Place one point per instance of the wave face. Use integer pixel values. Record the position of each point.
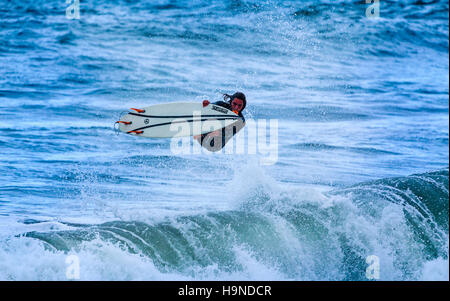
(273, 233)
(361, 103)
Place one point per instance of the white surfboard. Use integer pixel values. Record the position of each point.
(176, 120)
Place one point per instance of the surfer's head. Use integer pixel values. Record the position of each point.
(237, 101)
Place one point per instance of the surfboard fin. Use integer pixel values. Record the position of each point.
(138, 110)
(135, 132)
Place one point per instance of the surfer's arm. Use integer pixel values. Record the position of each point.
(200, 138)
(215, 141)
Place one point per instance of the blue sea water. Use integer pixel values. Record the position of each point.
(363, 133)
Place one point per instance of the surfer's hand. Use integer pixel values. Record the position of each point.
(205, 103)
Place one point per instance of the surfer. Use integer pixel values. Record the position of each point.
(215, 141)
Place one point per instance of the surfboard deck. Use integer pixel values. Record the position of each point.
(178, 119)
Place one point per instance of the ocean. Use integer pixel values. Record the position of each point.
(359, 185)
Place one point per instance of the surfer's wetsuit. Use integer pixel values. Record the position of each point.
(228, 106)
(224, 141)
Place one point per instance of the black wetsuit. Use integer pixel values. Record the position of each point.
(227, 106)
